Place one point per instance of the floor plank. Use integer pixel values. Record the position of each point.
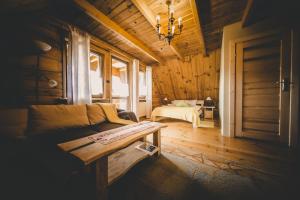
(265, 157)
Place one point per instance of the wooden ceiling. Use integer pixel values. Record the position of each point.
(127, 15)
(133, 20)
(22, 6)
(272, 10)
(137, 18)
(114, 32)
(215, 14)
(190, 41)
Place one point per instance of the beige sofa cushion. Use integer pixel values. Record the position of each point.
(95, 114)
(45, 118)
(13, 122)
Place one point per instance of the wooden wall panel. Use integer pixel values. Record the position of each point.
(197, 78)
(25, 71)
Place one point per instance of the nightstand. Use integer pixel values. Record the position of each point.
(209, 112)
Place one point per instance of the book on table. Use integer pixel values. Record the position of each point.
(148, 148)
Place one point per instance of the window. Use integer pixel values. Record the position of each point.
(142, 85)
(120, 87)
(96, 74)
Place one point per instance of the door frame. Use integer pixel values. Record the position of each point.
(292, 136)
(294, 94)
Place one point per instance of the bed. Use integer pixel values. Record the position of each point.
(187, 110)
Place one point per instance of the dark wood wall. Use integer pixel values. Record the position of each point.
(197, 77)
(25, 70)
(215, 14)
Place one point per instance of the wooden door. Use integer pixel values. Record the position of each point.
(262, 93)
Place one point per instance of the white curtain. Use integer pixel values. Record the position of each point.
(149, 91)
(135, 86)
(81, 90)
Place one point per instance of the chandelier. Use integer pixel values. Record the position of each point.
(171, 25)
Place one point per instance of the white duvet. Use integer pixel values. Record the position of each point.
(190, 114)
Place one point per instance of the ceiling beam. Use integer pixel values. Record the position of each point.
(100, 17)
(247, 13)
(149, 15)
(198, 24)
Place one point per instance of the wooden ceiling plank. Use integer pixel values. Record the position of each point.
(147, 13)
(247, 13)
(97, 15)
(197, 20)
(110, 5)
(122, 7)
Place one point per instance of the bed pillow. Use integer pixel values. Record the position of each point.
(175, 102)
(182, 104)
(200, 102)
(185, 103)
(192, 103)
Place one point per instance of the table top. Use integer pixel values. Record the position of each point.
(88, 151)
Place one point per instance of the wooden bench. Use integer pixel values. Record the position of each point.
(110, 161)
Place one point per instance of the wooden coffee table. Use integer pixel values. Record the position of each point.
(110, 161)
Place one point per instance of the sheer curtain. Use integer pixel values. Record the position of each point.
(81, 90)
(149, 91)
(135, 86)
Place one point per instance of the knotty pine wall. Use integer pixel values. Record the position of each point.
(24, 70)
(196, 78)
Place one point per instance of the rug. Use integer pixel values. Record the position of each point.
(185, 175)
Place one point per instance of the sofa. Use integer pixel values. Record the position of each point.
(32, 134)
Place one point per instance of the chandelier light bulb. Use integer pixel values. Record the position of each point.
(157, 19)
(179, 21)
(173, 29)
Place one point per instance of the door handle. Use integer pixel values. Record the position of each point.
(284, 84)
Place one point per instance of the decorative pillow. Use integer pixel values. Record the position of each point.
(95, 114)
(182, 104)
(13, 122)
(46, 118)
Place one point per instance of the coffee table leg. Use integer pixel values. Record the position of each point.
(157, 141)
(143, 139)
(101, 178)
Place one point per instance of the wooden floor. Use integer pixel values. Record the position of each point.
(198, 163)
(273, 159)
(195, 162)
